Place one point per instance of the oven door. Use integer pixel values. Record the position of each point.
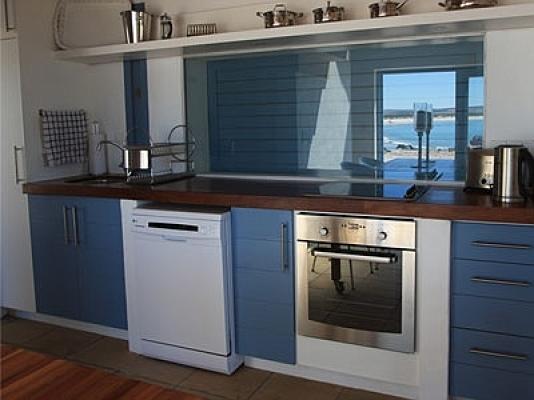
(356, 294)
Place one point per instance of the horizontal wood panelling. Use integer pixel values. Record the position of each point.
(272, 113)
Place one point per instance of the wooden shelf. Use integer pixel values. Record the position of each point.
(453, 23)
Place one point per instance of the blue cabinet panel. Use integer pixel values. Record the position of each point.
(494, 242)
(489, 279)
(274, 318)
(493, 315)
(263, 286)
(251, 223)
(261, 254)
(55, 271)
(266, 344)
(468, 381)
(264, 290)
(77, 258)
(511, 353)
(102, 291)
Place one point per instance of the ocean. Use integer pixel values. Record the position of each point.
(441, 137)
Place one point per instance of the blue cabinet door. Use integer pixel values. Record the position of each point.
(54, 257)
(78, 259)
(264, 282)
(102, 295)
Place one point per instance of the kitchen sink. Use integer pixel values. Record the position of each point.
(98, 180)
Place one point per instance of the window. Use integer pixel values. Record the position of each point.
(339, 113)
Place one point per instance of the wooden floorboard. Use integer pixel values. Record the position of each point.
(27, 375)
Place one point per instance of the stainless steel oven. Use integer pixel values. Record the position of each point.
(356, 280)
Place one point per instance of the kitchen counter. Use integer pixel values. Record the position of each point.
(437, 203)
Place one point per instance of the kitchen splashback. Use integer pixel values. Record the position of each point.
(339, 112)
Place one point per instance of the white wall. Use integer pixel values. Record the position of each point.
(234, 15)
(509, 87)
(51, 84)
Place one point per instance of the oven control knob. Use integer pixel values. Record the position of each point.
(382, 236)
(323, 231)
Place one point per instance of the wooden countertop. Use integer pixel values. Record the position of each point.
(437, 203)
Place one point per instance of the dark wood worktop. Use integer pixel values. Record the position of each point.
(437, 203)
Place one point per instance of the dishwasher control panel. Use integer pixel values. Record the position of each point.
(177, 224)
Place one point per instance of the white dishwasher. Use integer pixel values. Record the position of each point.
(179, 286)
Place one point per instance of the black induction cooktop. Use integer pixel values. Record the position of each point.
(367, 190)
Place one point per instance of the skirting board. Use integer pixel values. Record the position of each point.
(335, 378)
(68, 323)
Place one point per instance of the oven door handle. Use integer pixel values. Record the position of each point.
(368, 257)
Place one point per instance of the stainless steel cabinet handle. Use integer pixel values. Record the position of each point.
(9, 27)
(489, 353)
(16, 150)
(283, 247)
(479, 243)
(76, 239)
(65, 225)
(504, 282)
(355, 257)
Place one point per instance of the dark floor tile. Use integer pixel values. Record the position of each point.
(239, 386)
(282, 387)
(22, 331)
(62, 342)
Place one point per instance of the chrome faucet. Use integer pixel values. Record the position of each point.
(103, 142)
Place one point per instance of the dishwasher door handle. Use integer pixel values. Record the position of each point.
(367, 257)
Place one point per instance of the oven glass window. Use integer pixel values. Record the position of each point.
(355, 294)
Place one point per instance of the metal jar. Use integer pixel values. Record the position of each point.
(137, 26)
(279, 16)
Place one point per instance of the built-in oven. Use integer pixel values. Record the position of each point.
(356, 280)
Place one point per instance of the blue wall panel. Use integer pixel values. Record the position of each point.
(136, 101)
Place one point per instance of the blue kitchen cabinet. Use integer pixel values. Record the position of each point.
(264, 282)
(492, 336)
(77, 257)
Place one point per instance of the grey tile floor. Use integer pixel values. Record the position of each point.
(112, 355)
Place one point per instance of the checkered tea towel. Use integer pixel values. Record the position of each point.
(64, 137)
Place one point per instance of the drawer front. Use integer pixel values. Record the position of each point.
(498, 280)
(472, 382)
(493, 315)
(278, 319)
(493, 242)
(252, 223)
(509, 353)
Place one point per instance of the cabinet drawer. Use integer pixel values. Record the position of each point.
(251, 223)
(472, 382)
(498, 280)
(493, 242)
(510, 353)
(493, 315)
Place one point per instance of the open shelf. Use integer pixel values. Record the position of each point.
(452, 23)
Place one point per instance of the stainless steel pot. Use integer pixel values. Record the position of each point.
(279, 16)
(451, 5)
(386, 8)
(329, 14)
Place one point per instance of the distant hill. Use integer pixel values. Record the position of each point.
(438, 112)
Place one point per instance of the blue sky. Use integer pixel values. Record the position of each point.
(401, 91)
